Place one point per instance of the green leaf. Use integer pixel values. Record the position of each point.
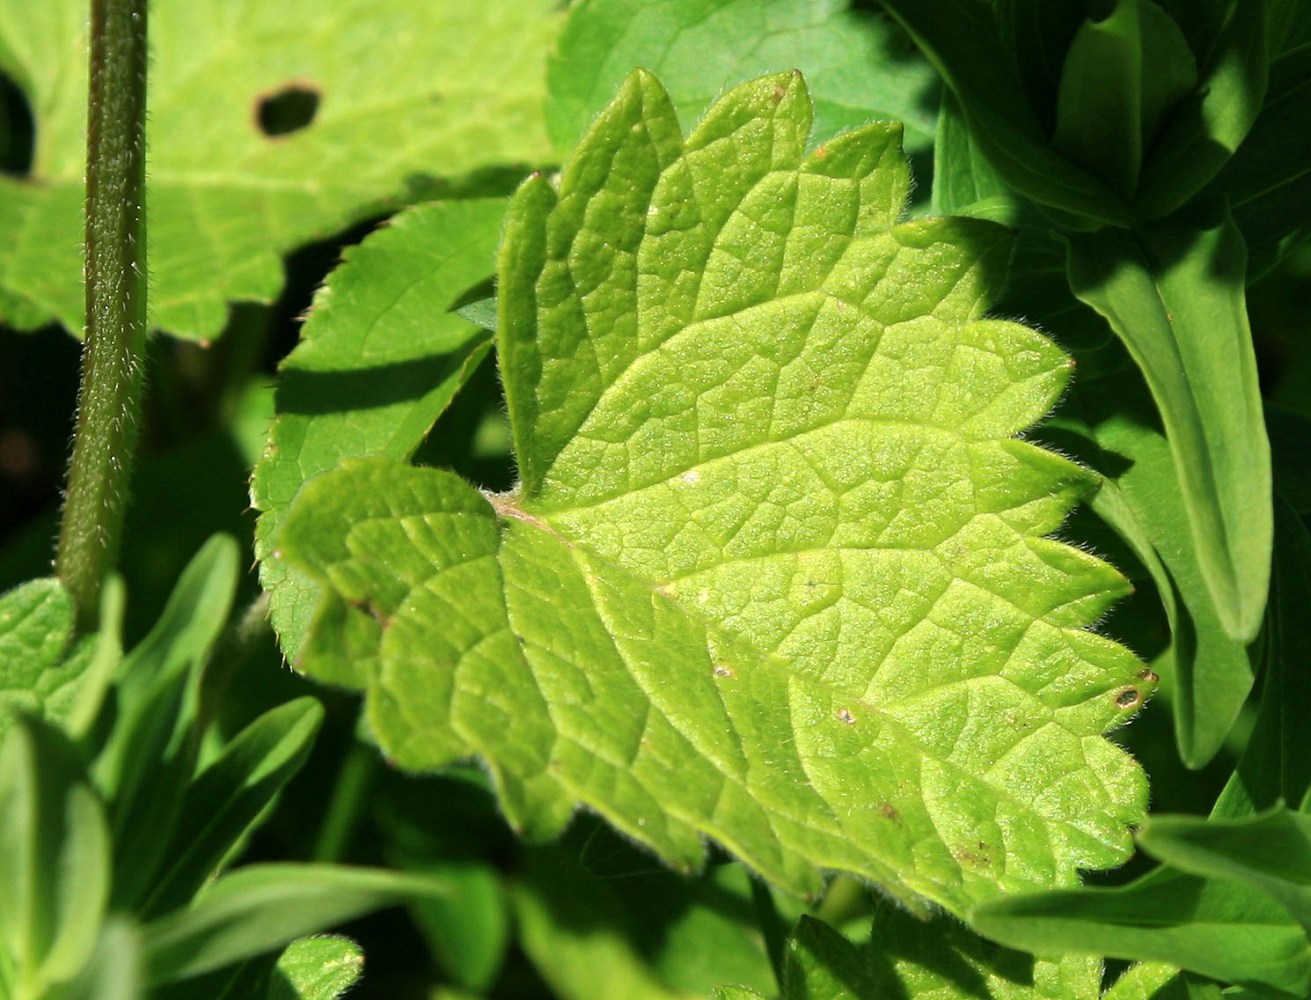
(909, 958)
(962, 40)
(1205, 130)
(1120, 78)
(1268, 182)
(961, 173)
(317, 968)
(54, 859)
(401, 100)
(261, 908)
(857, 65)
(224, 801)
(1271, 851)
(150, 754)
(1276, 761)
(36, 629)
(775, 541)
(1221, 928)
(1210, 671)
(1174, 294)
(380, 358)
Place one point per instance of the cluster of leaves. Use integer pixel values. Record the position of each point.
(124, 806)
(777, 582)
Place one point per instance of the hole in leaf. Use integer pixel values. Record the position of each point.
(1128, 697)
(289, 110)
(17, 130)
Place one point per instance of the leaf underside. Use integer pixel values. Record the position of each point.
(777, 572)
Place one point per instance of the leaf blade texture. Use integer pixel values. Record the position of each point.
(776, 572)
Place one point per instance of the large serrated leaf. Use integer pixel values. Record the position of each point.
(399, 96)
(777, 571)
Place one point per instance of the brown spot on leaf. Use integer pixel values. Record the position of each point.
(1128, 697)
(1149, 675)
(888, 811)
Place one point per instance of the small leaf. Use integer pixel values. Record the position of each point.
(317, 968)
(37, 674)
(379, 359)
(776, 573)
(397, 98)
(262, 908)
(1175, 296)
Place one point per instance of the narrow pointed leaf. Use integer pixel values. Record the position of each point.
(262, 908)
(777, 573)
(1175, 297)
(1271, 851)
(1276, 762)
(224, 800)
(1225, 929)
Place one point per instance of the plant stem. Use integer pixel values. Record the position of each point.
(109, 402)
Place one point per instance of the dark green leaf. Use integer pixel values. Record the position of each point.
(962, 39)
(1120, 77)
(1270, 851)
(262, 908)
(1268, 180)
(1175, 296)
(1276, 762)
(225, 799)
(962, 175)
(1205, 130)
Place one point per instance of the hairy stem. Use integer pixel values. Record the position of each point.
(109, 402)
